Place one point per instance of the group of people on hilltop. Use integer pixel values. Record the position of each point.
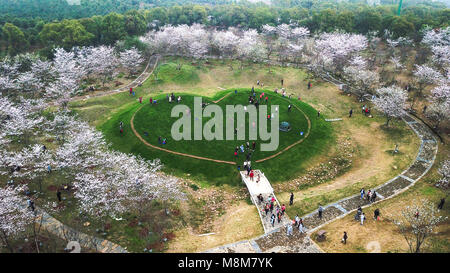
(172, 97)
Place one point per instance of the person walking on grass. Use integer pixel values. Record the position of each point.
(320, 211)
(350, 113)
(376, 214)
(291, 199)
(344, 238)
(363, 217)
(318, 114)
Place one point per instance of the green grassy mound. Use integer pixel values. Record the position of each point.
(156, 121)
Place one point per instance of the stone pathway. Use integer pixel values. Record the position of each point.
(67, 233)
(264, 188)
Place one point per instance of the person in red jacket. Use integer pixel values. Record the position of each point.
(251, 175)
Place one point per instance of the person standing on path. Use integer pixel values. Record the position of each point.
(289, 229)
(362, 193)
(272, 220)
(320, 211)
(309, 85)
(301, 227)
(291, 199)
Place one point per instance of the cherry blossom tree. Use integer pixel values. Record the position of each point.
(122, 184)
(7, 85)
(398, 66)
(250, 47)
(339, 47)
(69, 74)
(444, 171)
(424, 75)
(391, 101)
(105, 62)
(417, 222)
(28, 82)
(439, 42)
(363, 80)
(226, 43)
(440, 103)
(131, 60)
(29, 163)
(20, 120)
(14, 217)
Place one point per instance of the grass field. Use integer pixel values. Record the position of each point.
(156, 121)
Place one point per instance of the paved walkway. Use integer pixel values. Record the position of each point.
(264, 188)
(67, 233)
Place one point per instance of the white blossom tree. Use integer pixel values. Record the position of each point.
(131, 59)
(339, 47)
(225, 42)
(391, 101)
(363, 80)
(20, 120)
(440, 103)
(417, 222)
(444, 171)
(424, 75)
(14, 217)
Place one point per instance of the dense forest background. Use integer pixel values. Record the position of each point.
(41, 25)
